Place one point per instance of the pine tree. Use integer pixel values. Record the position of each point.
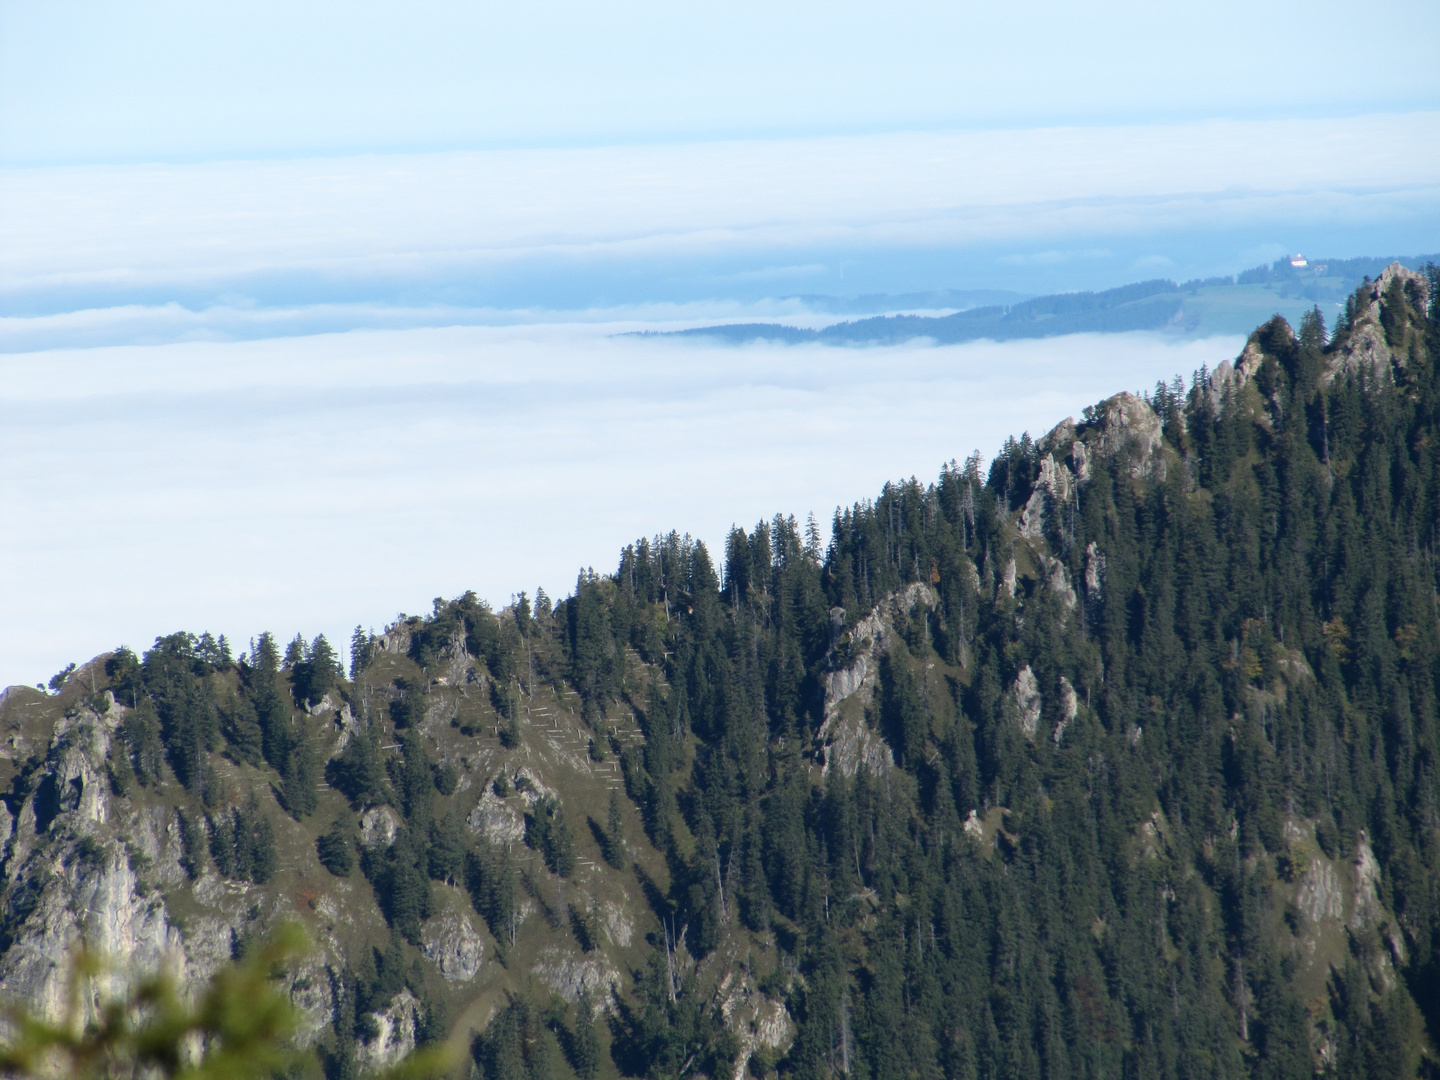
(317, 673)
(445, 856)
(358, 772)
(222, 843)
(272, 710)
(256, 834)
(192, 845)
(1312, 329)
(300, 779)
(295, 652)
(362, 647)
(334, 852)
(584, 1043)
(614, 833)
(490, 879)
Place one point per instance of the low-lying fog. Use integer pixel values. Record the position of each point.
(312, 483)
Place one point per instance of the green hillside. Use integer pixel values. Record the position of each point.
(1119, 757)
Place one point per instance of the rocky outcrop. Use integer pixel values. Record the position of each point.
(84, 864)
(848, 740)
(1128, 426)
(975, 827)
(1025, 696)
(95, 901)
(1054, 489)
(452, 942)
(74, 880)
(618, 925)
(1057, 580)
(1121, 426)
(395, 639)
(1069, 708)
(1366, 911)
(378, 827)
(1319, 896)
(496, 820)
(1009, 581)
(758, 1022)
(1094, 573)
(1229, 378)
(570, 976)
(1365, 347)
(531, 788)
(394, 1033)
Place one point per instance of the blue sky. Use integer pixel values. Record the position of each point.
(306, 309)
(175, 80)
(568, 156)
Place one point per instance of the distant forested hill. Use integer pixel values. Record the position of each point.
(1117, 758)
(1210, 306)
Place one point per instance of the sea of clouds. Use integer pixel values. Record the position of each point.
(308, 484)
(125, 253)
(300, 395)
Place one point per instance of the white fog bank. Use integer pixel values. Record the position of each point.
(309, 484)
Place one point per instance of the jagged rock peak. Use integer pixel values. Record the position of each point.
(1369, 343)
(1122, 424)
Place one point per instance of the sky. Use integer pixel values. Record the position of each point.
(173, 79)
(307, 311)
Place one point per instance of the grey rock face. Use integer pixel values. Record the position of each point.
(395, 639)
(1367, 910)
(379, 827)
(396, 1025)
(1366, 347)
(1057, 580)
(76, 881)
(1054, 489)
(496, 820)
(849, 742)
(1129, 425)
(1069, 708)
(757, 1021)
(1319, 896)
(1026, 697)
(570, 976)
(618, 926)
(451, 941)
(1008, 580)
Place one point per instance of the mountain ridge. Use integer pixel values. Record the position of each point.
(1124, 756)
(1197, 307)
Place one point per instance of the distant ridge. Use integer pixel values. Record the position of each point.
(891, 303)
(1203, 306)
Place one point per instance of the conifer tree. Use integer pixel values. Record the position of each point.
(615, 833)
(584, 1043)
(362, 648)
(334, 852)
(300, 779)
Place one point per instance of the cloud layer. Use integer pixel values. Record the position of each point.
(574, 228)
(313, 483)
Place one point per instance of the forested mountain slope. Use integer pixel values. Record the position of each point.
(1118, 758)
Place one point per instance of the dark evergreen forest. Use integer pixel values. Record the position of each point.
(1156, 678)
